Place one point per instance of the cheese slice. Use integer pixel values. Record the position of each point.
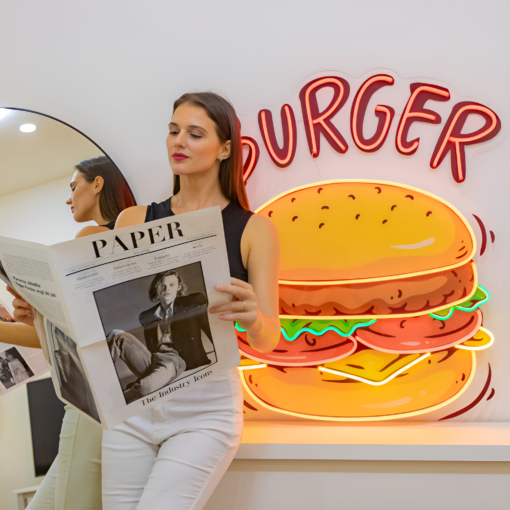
(373, 367)
(482, 340)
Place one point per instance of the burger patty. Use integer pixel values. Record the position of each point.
(404, 296)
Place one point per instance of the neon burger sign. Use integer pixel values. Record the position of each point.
(380, 308)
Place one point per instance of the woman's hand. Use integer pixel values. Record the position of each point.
(243, 308)
(22, 310)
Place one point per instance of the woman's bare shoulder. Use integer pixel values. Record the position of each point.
(131, 216)
(90, 230)
(260, 226)
(260, 237)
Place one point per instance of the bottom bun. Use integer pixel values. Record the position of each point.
(309, 393)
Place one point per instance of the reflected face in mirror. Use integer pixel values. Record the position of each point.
(36, 168)
(192, 143)
(84, 198)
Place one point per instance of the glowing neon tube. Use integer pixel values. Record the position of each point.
(481, 348)
(318, 333)
(251, 367)
(478, 304)
(374, 383)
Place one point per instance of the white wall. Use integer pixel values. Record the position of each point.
(113, 69)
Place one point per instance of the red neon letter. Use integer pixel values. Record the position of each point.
(453, 140)
(253, 156)
(414, 112)
(281, 157)
(383, 113)
(320, 122)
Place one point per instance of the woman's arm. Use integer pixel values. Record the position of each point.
(259, 312)
(16, 333)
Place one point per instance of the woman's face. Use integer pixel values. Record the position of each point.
(192, 143)
(83, 197)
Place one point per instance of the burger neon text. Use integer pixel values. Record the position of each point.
(319, 124)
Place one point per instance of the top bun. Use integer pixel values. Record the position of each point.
(349, 230)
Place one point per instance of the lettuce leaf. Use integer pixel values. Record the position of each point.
(480, 297)
(293, 328)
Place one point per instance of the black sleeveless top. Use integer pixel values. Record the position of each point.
(234, 218)
(110, 225)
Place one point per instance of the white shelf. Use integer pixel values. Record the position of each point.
(471, 442)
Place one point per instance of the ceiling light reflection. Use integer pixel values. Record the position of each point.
(27, 128)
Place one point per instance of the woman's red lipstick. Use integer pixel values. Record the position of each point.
(179, 156)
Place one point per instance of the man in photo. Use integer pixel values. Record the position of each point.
(173, 335)
(74, 386)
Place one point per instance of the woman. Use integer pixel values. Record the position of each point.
(99, 193)
(174, 455)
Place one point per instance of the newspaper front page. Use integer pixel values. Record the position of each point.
(124, 313)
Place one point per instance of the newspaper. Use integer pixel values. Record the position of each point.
(18, 365)
(124, 314)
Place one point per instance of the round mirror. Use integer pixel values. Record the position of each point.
(37, 158)
(38, 155)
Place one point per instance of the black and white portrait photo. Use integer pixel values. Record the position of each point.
(13, 368)
(73, 383)
(157, 329)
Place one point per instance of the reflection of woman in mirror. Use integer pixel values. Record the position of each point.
(174, 455)
(99, 193)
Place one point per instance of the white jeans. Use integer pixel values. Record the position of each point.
(74, 479)
(173, 456)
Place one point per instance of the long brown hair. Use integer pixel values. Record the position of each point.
(222, 113)
(116, 194)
